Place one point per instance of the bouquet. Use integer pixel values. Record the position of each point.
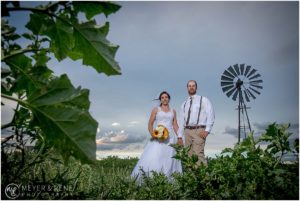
(160, 133)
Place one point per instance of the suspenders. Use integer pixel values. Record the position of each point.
(198, 112)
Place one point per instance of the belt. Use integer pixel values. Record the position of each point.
(194, 127)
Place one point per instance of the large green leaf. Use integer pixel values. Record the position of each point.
(93, 8)
(39, 23)
(60, 32)
(20, 65)
(86, 41)
(28, 77)
(92, 46)
(62, 113)
(62, 40)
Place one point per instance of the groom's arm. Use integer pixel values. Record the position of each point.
(210, 116)
(181, 124)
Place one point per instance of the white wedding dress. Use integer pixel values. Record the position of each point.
(157, 156)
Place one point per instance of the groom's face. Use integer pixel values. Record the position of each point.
(192, 88)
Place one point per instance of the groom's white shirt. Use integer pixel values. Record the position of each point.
(207, 114)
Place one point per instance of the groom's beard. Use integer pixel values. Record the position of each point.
(192, 92)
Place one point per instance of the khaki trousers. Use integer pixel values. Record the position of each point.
(197, 143)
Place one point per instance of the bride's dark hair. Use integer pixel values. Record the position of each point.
(162, 93)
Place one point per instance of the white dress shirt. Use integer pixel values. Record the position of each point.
(206, 118)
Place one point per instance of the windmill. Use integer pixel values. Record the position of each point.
(241, 82)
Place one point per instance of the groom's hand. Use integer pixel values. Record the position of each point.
(203, 134)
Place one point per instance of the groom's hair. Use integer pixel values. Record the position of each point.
(192, 81)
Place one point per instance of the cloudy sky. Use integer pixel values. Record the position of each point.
(165, 44)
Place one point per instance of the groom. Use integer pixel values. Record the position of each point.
(195, 122)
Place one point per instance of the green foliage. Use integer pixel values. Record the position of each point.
(58, 23)
(278, 139)
(51, 114)
(245, 172)
(93, 8)
(55, 110)
(87, 40)
(64, 109)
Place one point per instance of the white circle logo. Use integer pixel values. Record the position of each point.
(12, 191)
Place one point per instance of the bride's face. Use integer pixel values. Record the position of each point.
(164, 99)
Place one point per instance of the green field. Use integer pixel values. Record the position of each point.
(244, 172)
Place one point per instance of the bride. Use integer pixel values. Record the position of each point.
(157, 155)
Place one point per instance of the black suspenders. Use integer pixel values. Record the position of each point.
(198, 112)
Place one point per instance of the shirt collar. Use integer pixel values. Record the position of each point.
(193, 96)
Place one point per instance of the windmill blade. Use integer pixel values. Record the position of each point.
(251, 94)
(254, 90)
(235, 95)
(242, 67)
(227, 88)
(247, 70)
(230, 92)
(228, 74)
(257, 86)
(241, 82)
(246, 96)
(223, 83)
(232, 71)
(255, 76)
(224, 78)
(247, 93)
(252, 72)
(237, 70)
(255, 81)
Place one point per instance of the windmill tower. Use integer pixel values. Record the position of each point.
(241, 82)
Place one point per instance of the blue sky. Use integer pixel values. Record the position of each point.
(165, 44)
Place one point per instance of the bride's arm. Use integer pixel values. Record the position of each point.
(175, 125)
(151, 120)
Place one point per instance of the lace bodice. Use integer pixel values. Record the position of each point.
(165, 118)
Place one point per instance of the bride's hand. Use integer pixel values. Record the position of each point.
(152, 134)
(180, 142)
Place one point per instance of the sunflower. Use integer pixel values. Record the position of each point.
(165, 134)
(161, 133)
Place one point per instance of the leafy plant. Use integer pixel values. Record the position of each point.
(49, 111)
(54, 108)
(246, 171)
(277, 137)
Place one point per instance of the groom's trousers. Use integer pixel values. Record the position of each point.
(197, 143)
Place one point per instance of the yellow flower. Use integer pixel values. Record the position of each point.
(161, 133)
